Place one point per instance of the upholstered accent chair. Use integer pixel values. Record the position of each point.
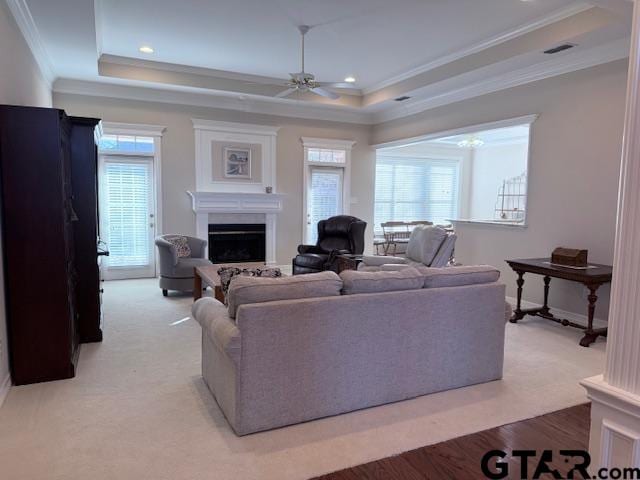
(429, 246)
(342, 234)
(176, 272)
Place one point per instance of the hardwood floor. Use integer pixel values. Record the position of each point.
(460, 458)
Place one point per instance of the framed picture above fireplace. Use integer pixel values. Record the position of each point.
(237, 162)
(251, 170)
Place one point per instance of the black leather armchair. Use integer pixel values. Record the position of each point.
(336, 235)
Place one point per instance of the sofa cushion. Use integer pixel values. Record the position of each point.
(458, 276)
(356, 281)
(246, 290)
(432, 238)
(379, 260)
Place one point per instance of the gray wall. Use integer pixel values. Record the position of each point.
(178, 158)
(573, 172)
(20, 84)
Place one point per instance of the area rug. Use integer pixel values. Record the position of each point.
(138, 408)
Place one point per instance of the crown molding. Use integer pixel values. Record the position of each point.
(213, 99)
(143, 130)
(491, 42)
(234, 127)
(22, 15)
(610, 52)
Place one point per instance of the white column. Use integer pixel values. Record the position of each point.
(615, 416)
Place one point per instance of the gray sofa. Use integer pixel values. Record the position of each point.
(289, 356)
(176, 273)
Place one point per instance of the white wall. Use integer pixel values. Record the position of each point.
(573, 171)
(21, 83)
(178, 159)
(491, 164)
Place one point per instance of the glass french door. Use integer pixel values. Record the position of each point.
(324, 198)
(127, 216)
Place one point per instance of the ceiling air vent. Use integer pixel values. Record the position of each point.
(559, 48)
(402, 99)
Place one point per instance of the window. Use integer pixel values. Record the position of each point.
(127, 195)
(324, 198)
(411, 189)
(126, 144)
(472, 174)
(325, 155)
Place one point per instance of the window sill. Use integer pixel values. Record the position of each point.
(493, 223)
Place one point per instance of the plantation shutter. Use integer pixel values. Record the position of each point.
(409, 189)
(325, 198)
(127, 189)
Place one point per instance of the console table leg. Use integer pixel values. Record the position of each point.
(518, 314)
(545, 306)
(590, 334)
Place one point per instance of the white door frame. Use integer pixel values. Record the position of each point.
(331, 144)
(144, 130)
(150, 271)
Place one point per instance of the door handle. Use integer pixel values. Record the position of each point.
(151, 225)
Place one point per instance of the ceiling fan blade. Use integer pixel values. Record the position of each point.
(325, 93)
(286, 93)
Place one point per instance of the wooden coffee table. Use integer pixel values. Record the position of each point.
(207, 275)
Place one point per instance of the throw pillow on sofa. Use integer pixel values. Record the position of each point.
(355, 281)
(181, 245)
(246, 290)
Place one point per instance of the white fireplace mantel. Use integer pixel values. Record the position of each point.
(242, 208)
(218, 202)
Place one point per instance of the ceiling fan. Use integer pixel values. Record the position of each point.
(306, 82)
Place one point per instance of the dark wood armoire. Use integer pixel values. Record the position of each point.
(48, 185)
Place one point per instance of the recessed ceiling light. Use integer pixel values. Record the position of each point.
(146, 49)
(350, 79)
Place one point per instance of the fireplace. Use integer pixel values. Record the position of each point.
(233, 243)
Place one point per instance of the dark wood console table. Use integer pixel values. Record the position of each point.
(592, 278)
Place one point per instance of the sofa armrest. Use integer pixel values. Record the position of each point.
(214, 319)
(167, 253)
(197, 246)
(302, 249)
(379, 260)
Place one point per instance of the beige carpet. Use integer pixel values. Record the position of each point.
(138, 408)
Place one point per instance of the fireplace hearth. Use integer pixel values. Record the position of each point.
(235, 243)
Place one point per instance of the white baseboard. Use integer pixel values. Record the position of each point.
(4, 388)
(558, 312)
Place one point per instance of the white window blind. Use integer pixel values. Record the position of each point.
(410, 189)
(325, 198)
(127, 192)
